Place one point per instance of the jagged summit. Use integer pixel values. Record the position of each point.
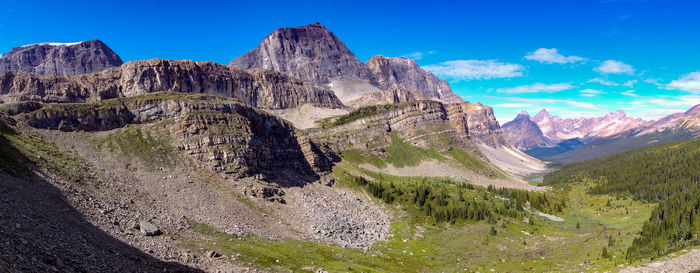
(311, 53)
(60, 59)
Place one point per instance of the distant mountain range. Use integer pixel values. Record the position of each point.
(554, 138)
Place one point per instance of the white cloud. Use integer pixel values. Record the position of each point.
(414, 55)
(630, 83)
(536, 88)
(551, 56)
(591, 92)
(418, 55)
(603, 82)
(614, 67)
(689, 82)
(630, 93)
(475, 69)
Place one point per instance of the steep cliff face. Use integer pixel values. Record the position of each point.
(404, 73)
(425, 124)
(60, 59)
(228, 136)
(523, 133)
(311, 53)
(259, 88)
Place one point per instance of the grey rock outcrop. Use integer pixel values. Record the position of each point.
(404, 73)
(311, 53)
(259, 87)
(60, 59)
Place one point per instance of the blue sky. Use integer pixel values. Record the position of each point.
(575, 58)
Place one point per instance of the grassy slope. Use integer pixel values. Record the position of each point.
(419, 244)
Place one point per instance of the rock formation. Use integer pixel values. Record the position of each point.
(259, 88)
(404, 73)
(311, 53)
(60, 59)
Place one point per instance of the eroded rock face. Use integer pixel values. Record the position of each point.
(311, 53)
(426, 124)
(404, 73)
(60, 59)
(384, 97)
(258, 88)
(229, 137)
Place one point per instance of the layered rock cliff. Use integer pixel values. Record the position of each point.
(404, 73)
(60, 59)
(258, 87)
(311, 53)
(426, 124)
(229, 137)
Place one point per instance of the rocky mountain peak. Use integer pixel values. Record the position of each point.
(618, 115)
(311, 53)
(522, 114)
(60, 59)
(541, 115)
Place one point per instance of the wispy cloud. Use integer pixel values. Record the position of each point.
(591, 92)
(630, 83)
(689, 82)
(418, 55)
(630, 93)
(536, 88)
(614, 67)
(551, 56)
(604, 82)
(475, 69)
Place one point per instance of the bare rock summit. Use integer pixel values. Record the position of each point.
(60, 59)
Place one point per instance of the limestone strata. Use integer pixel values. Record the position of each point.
(258, 88)
(427, 124)
(230, 137)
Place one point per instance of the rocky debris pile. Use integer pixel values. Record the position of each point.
(60, 59)
(148, 229)
(342, 218)
(259, 88)
(688, 262)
